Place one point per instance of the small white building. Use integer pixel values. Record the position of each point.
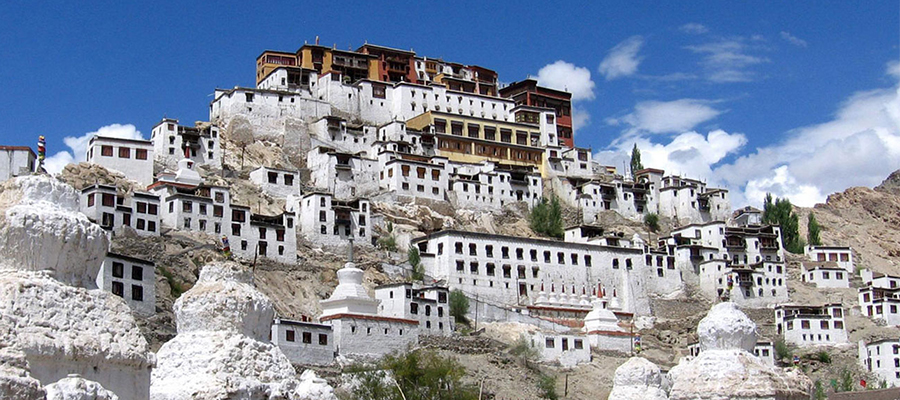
(16, 161)
(764, 350)
(133, 158)
(879, 303)
(304, 343)
(747, 216)
(132, 279)
(276, 182)
(173, 142)
(330, 222)
(138, 211)
(826, 275)
(358, 329)
(428, 305)
(566, 349)
(841, 255)
(343, 174)
(811, 325)
(882, 358)
(879, 280)
(603, 330)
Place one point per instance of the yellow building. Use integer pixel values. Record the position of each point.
(470, 139)
(350, 64)
(270, 60)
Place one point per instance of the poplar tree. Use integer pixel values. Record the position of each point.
(812, 231)
(635, 161)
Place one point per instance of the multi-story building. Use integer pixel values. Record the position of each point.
(413, 176)
(841, 255)
(824, 274)
(132, 279)
(429, 305)
(276, 182)
(105, 206)
(345, 175)
(16, 161)
(687, 200)
(133, 158)
(527, 92)
(173, 142)
(811, 325)
(882, 357)
(188, 204)
(744, 264)
(511, 270)
(327, 221)
(880, 299)
(747, 216)
(304, 342)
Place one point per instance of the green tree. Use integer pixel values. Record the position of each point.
(419, 375)
(415, 261)
(459, 306)
(546, 218)
(635, 161)
(781, 212)
(652, 221)
(812, 230)
(845, 384)
(819, 391)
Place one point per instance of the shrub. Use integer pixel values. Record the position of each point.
(783, 352)
(819, 391)
(420, 374)
(547, 387)
(459, 306)
(652, 222)
(823, 357)
(522, 349)
(546, 218)
(415, 261)
(845, 381)
(174, 286)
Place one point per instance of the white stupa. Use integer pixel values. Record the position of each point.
(638, 379)
(601, 319)
(52, 321)
(222, 348)
(349, 297)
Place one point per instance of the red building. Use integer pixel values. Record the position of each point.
(528, 93)
(394, 65)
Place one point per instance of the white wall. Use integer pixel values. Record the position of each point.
(134, 273)
(312, 353)
(14, 162)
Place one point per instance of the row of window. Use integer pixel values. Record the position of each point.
(137, 291)
(805, 324)
(124, 152)
(118, 271)
(305, 337)
(577, 344)
(107, 220)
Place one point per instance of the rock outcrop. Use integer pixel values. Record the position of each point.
(638, 379)
(52, 323)
(75, 387)
(725, 367)
(222, 348)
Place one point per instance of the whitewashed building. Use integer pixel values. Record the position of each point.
(806, 326)
(841, 255)
(275, 182)
(826, 275)
(604, 331)
(409, 176)
(132, 279)
(511, 270)
(689, 200)
(327, 221)
(880, 303)
(429, 305)
(345, 175)
(173, 142)
(133, 158)
(16, 161)
(567, 349)
(113, 211)
(882, 358)
(304, 343)
(359, 331)
(744, 264)
(747, 216)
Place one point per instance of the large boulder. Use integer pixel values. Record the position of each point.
(638, 379)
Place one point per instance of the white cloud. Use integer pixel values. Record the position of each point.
(793, 39)
(860, 146)
(566, 76)
(623, 59)
(580, 118)
(666, 117)
(728, 60)
(688, 154)
(693, 28)
(79, 144)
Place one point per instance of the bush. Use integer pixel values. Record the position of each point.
(415, 261)
(522, 349)
(652, 222)
(420, 374)
(783, 352)
(547, 387)
(459, 306)
(819, 391)
(174, 286)
(845, 382)
(823, 357)
(546, 218)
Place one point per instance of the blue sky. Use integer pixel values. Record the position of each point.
(797, 98)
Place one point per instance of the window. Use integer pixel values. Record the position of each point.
(108, 200)
(202, 210)
(90, 200)
(262, 233)
(288, 179)
(413, 308)
(137, 272)
(187, 223)
(118, 270)
(126, 219)
(804, 324)
(137, 292)
(323, 339)
(237, 216)
(249, 98)
(106, 151)
(124, 152)
(823, 324)
(217, 211)
(306, 337)
(549, 343)
(279, 235)
(615, 263)
(235, 229)
(187, 207)
(151, 226)
(262, 248)
(118, 289)
(289, 335)
(579, 344)
(152, 209)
